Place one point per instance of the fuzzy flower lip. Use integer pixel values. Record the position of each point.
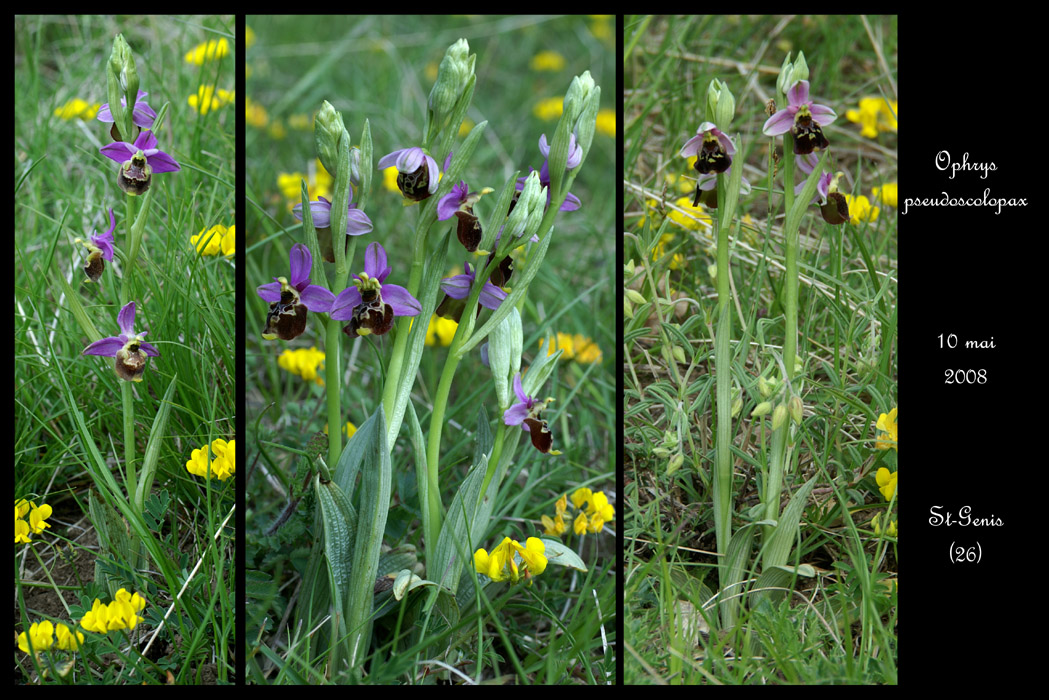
(370, 305)
(798, 102)
(112, 345)
(527, 413)
(143, 115)
(357, 223)
(312, 296)
(694, 145)
(409, 161)
(146, 143)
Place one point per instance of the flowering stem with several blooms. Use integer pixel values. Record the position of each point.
(799, 123)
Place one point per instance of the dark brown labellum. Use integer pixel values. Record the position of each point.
(130, 363)
(836, 210)
(135, 175)
(712, 158)
(285, 321)
(415, 185)
(501, 275)
(469, 230)
(369, 295)
(375, 318)
(808, 136)
(542, 440)
(94, 266)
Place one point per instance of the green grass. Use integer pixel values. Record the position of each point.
(69, 422)
(838, 626)
(559, 630)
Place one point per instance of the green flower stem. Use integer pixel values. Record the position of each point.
(497, 453)
(332, 371)
(128, 406)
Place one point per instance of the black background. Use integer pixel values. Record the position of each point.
(969, 85)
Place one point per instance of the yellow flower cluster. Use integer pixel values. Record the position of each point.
(886, 431)
(594, 511)
(574, 347)
(549, 109)
(677, 262)
(208, 98)
(77, 108)
(36, 522)
(548, 61)
(886, 482)
(319, 185)
(122, 613)
(255, 114)
(888, 194)
(305, 363)
(43, 634)
(208, 51)
(218, 239)
(874, 116)
(440, 331)
(861, 209)
(223, 466)
(501, 564)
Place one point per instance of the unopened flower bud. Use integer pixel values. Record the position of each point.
(675, 463)
(679, 354)
(737, 406)
(801, 69)
(635, 296)
(764, 387)
(779, 416)
(721, 104)
(796, 409)
(452, 76)
(328, 128)
(504, 355)
(578, 96)
(762, 409)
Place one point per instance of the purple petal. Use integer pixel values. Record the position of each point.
(344, 304)
(457, 287)
(126, 318)
(105, 246)
(450, 202)
(403, 303)
(391, 159)
(571, 202)
(575, 153)
(301, 263)
(148, 349)
(118, 151)
(162, 163)
(319, 210)
(146, 141)
(375, 262)
(269, 292)
(516, 414)
(778, 123)
(106, 346)
(822, 114)
(435, 176)
(491, 296)
(357, 223)
(316, 298)
(143, 115)
(544, 147)
(798, 94)
(691, 147)
(112, 223)
(519, 390)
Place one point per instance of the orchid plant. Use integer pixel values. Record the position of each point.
(117, 318)
(378, 307)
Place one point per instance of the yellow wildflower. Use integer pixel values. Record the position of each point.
(886, 481)
(501, 564)
(860, 209)
(874, 115)
(208, 99)
(594, 511)
(549, 109)
(886, 193)
(207, 51)
(303, 363)
(887, 431)
(77, 108)
(606, 122)
(212, 242)
(42, 635)
(440, 331)
(348, 430)
(68, 640)
(548, 61)
(692, 218)
(255, 114)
